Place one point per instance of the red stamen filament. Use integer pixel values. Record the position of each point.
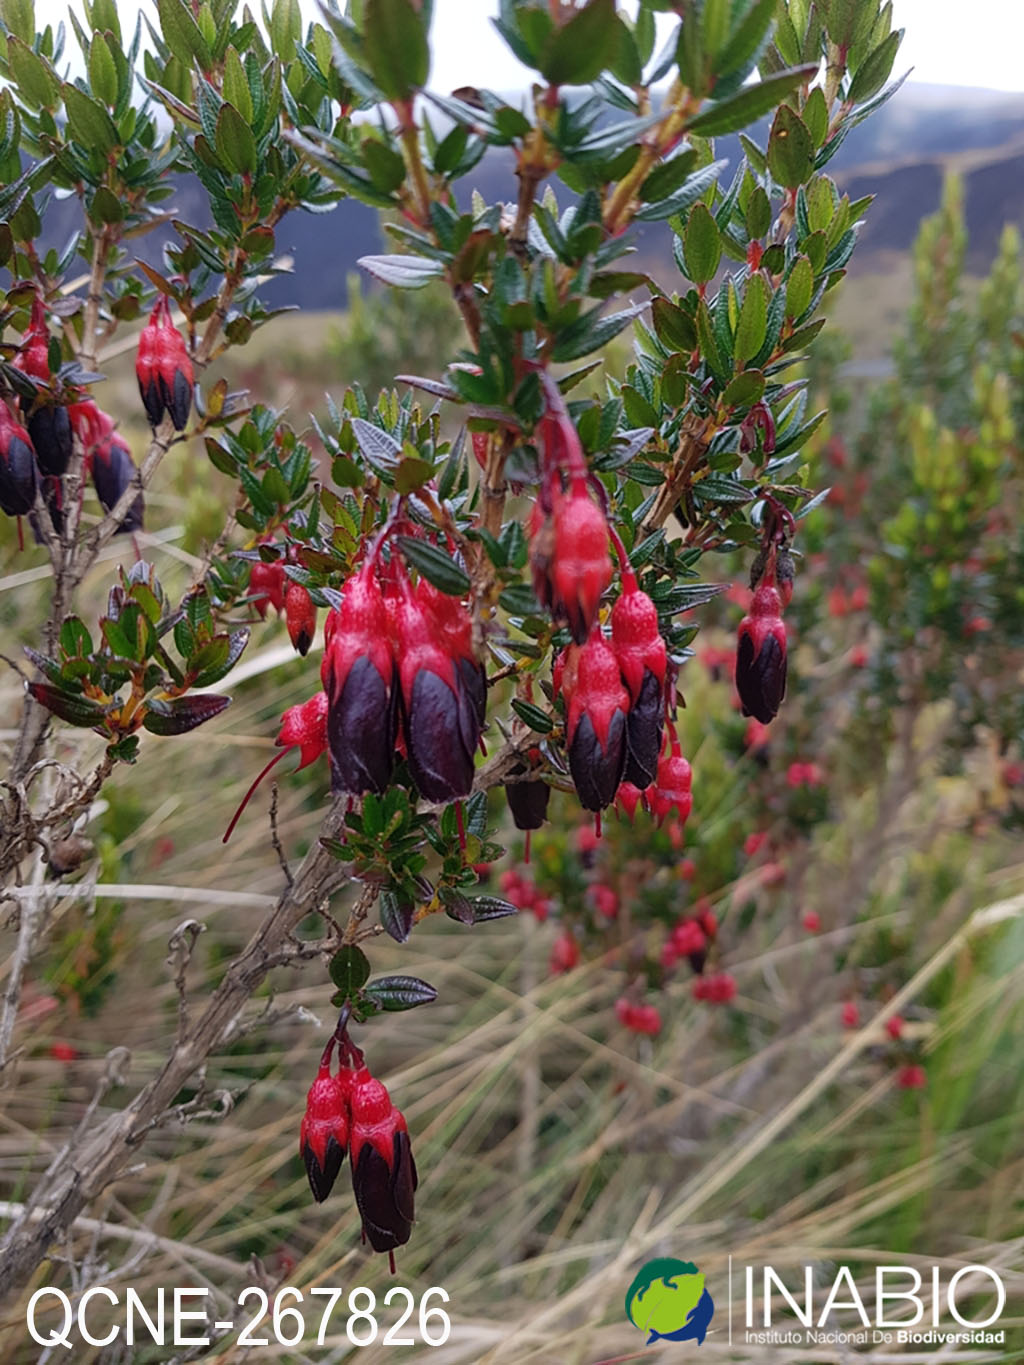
(248, 795)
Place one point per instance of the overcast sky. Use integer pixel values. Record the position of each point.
(948, 42)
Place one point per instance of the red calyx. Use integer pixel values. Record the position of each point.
(595, 732)
(267, 586)
(627, 798)
(358, 675)
(383, 1170)
(323, 1136)
(761, 656)
(300, 617)
(718, 989)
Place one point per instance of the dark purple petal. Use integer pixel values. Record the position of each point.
(112, 472)
(645, 726)
(153, 400)
(761, 681)
(474, 681)
(361, 725)
(384, 1194)
(178, 400)
(50, 429)
(528, 802)
(597, 771)
(440, 759)
(19, 480)
(322, 1178)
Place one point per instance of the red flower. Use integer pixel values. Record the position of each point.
(638, 1018)
(894, 1026)
(569, 555)
(761, 656)
(383, 1170)
(643, 660)
(596, 722)
(565, 954)
(627, 798)
(671, 789)
(811, 921)
(441, 714)
(850, 1014)
(358, 675)
(19, 480)
(719, 989)
(323, 1136)
(48, 422)
(911, 1077)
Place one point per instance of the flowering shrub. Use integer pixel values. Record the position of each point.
(523, 584)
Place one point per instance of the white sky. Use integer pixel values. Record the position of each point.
(948, 42)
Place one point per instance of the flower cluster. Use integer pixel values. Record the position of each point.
(349, 1113)
(164, 369)
(34, 457)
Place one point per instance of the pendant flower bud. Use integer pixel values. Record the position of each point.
(267, 586)
(595, 732)
(48, 422)
(323, 1136)
(358, 675)
(108, 459)
(440, 715)
(19, 479)
(761, 656)
(300, 617)
(383, 1170)
(570, 560)
(643, 662)
(671, 789)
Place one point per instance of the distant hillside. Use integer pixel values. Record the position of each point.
(901, 155)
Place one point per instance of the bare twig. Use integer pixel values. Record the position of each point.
(181, 945)
(275, 836)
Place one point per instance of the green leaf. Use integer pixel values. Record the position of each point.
(749, 102)
(378, 447)
(384, 165)
(874, 71)
(745, 389)
(102, 71)
(88, 121)
(400, 992)
(590, 333)
(404, 272)
(702, 245)
(75, 640)
(412, 474)
(753, 320)
(350, 970)
(396, 47)
(106, 208)
(182, 35)
(533, 716)
(815, 115)
(236, 145)
(790, 149)
(19, 18)
(36, 83)
(236, 86)
(745, 39)
(178, 715)
(577, 52)
(673, 325)
(436, 565)
(799, 288)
